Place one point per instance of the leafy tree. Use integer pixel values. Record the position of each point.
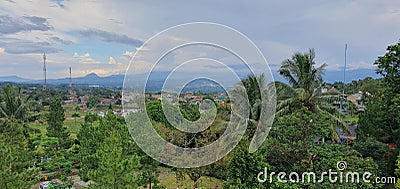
(55, 121)
(91, 136)
(291, 138)
(149, 171)
(326, 156)
(115, 170)
(372, 122)
(243, 167)
(381, 153)
(93, 101)
(155, 112)
(389, 67)
(75, 115)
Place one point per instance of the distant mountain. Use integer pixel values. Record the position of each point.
(90, 79)
(156, 80)
(14, 79)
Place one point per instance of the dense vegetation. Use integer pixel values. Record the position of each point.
(38, 143)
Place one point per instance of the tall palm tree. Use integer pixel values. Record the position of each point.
(257, 103)
(305, 90)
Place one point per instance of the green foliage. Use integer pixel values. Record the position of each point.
(155, 112)
(397, 185)
(243, 167)
(306, 82)
(75, 115)
(367, 84)
(90, 118)
(389, 68)
(149, 171)
(381, 119)
(12, 104)
(301, 73)
(291, 138)
(381, 153)
(55, 121)
(16, 160)
(326, 156)
(190, 111)
(93, 101)
(115, 169)
(291, 148)
(96, 140)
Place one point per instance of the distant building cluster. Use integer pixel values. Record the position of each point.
(80, 101)
(355, 98)
(189, 97)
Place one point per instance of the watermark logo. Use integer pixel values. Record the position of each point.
(341, 165)
(180, 55)
(332, 176)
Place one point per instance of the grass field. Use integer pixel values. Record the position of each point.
(72, 124)
(167, 178)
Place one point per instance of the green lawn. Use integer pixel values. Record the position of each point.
(72, 125)
(167, 178)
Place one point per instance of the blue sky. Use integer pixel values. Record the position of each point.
(101, 36)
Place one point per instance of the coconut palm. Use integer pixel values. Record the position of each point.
(254, 100)
(305, 90)
(12, 104)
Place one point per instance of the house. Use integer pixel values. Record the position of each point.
(347, 138)
(357, 100)
(333, 90)
(83, 99)
(107, 101)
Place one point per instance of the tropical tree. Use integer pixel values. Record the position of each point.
(255, 95)
(13, 105)
(305, 90)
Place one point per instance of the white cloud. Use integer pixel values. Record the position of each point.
(129, 54)
(112, 60)
(1, 50)
(76, 55)
(85, 59)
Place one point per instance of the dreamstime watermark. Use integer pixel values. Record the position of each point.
(183, 54)
(333, 176)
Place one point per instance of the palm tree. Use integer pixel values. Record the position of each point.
(305, 90)
(256, 99)
(13, 105)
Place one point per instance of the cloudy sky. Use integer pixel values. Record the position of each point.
(100, 37)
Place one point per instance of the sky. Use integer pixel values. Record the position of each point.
(101, 37)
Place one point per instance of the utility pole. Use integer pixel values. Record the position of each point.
(70, 82)
(44, 72)
(344, 77)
